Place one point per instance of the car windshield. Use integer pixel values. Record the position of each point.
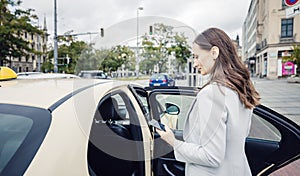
(22, 130)
(158, 76)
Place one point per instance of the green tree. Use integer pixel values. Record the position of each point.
(71, 49)
(13, 25)
(296, 55)
(182, 51)
(160, 45)
(118, 56)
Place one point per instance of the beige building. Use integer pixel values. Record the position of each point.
(32, 62)
(268, 35)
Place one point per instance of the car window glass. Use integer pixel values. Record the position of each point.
(182, 101)
(13, 130)
(144, 102)
(112, 144)
(261, 129)
(158, 76)
(122, 110)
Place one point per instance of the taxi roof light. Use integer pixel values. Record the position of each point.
(7, 73)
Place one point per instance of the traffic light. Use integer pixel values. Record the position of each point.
(150, 30)
(102, 32)
(67, 60)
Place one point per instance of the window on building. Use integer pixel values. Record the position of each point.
(31, 36)
(25, 35)
(287, 27)
(33, 58)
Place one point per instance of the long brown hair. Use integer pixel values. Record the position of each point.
(228, 69)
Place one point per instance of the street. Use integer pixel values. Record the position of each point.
(280, 96)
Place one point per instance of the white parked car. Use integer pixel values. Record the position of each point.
(94, 74)
(293, 79)
(40, 75)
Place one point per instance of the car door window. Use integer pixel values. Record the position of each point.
(262, 129)
(114, 140)
(182, 101)
(122, 110)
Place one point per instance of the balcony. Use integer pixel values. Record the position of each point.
(290, 39)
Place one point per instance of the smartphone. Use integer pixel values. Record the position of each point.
(157, 124)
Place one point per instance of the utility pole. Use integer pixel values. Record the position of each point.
(137, 69)
(55, 38)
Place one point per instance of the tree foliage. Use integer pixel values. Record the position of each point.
(13, 25)
(296, 55)
(73, 51)
(159, 46)
(118, 56)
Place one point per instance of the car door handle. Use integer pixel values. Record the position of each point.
(167, 170)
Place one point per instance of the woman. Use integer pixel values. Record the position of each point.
(219, 119)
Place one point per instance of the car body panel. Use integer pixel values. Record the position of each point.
(32, 92)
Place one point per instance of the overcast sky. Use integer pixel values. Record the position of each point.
(90, 15)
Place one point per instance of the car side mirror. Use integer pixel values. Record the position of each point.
(172, 109)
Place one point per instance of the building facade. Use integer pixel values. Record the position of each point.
(32, 62)
(268, 36)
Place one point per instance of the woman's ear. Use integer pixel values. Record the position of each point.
(215, 52)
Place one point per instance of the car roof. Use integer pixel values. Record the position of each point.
(43, 92)
(39, 75)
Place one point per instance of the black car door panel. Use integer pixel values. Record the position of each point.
(164, 163)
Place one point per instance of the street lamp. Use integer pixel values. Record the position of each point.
(137, 41)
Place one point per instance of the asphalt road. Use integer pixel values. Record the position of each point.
(280, 96)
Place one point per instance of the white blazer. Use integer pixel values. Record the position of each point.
(214, 134)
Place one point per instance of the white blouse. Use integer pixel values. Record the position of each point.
(214, 134)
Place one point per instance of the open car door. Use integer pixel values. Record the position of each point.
(273, 142)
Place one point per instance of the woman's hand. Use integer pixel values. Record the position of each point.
(167, 135)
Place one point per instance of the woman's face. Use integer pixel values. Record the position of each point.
(203, 59)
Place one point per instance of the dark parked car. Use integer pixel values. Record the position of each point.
(161, 79)
(179, 75)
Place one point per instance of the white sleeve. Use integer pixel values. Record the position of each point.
(210, 145)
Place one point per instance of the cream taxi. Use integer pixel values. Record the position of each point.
(100, 127)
